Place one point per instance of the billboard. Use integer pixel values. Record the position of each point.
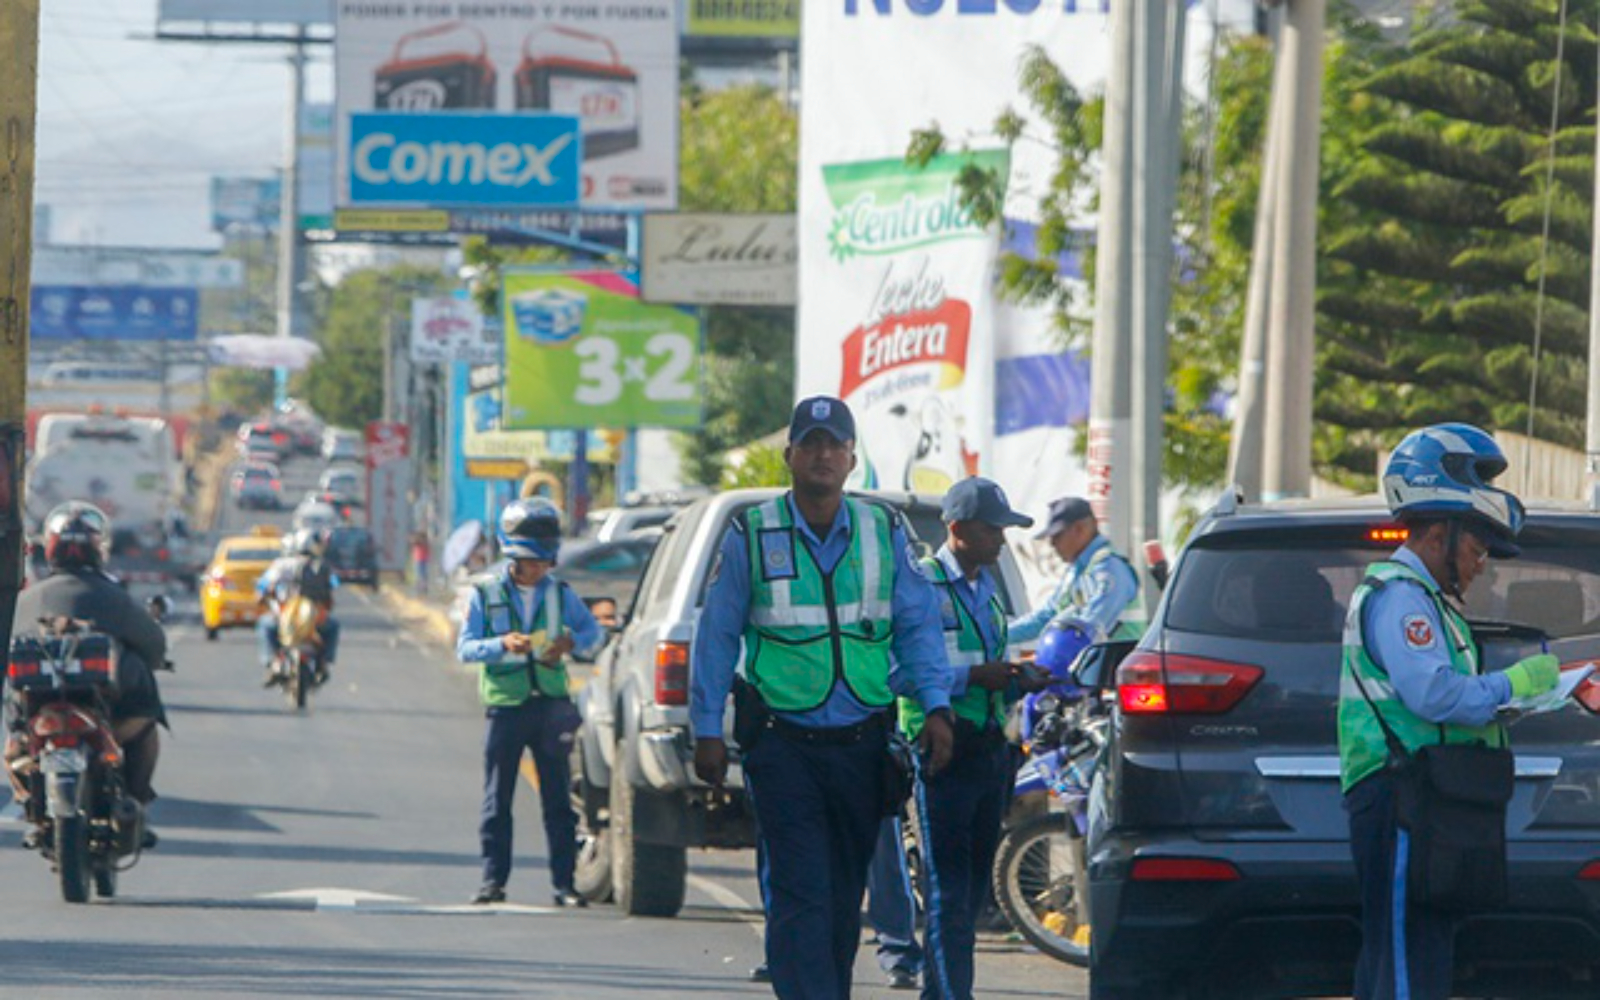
(581, 350)
(148, 266)
(451, 329)
(612, 66)
(248, 11)
(744, 18)
(887, 253)
(694, 259)
(464, 159)
(115, 312)
(253, 202)
(314, 167)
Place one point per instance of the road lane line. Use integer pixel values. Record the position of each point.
(730, 900)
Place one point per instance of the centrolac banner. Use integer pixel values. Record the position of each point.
(583, 351)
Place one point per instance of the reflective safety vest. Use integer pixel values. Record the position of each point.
(963, 647)
(1362, 748)
(808, 630)
(514, 679)
(1130, 624)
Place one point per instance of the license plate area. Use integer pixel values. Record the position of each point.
(68, 760)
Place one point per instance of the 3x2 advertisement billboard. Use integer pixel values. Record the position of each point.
(507, 105)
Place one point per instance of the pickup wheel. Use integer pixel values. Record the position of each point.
(648, 880)
(592, 876)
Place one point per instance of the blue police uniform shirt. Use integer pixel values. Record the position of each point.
(1418, 659)
(472, 647)
(974, 595)
(1111, 587)
(919, 669)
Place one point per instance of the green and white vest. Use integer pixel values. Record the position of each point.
(963, 647)
(1362, 748)
(1131, 623)
(512, 680)
(808, 630)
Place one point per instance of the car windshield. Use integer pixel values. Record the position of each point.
(1283, 590)
(251, 555)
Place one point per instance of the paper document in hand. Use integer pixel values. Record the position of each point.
(1557, 696)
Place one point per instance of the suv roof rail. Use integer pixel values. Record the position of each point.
(1227, 505)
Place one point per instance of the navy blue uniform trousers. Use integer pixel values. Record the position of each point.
(819, 807)
(544, 727)
(1407, 952)
(962, 809)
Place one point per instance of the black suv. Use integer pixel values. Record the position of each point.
(1219, 856)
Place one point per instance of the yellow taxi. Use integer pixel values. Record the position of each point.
(228, 589)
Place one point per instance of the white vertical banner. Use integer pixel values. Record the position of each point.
(898, 309)
(389, 492)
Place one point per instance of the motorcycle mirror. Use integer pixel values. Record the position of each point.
(159, 607)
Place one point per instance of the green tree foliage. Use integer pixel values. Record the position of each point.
(763, 465)
(740, 153)
(242, 390)
(1432, 249)
(345, 383)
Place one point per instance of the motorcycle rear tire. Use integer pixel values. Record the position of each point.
(72, 858)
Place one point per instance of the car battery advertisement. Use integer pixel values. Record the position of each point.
(611, 65)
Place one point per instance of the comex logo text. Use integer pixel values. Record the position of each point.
(381, 158)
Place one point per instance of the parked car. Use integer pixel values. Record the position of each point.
(608, 569)
(228, 589)
(353, 555)
(257, 486)
(612, 523)
(1219, 856)
(642, 807)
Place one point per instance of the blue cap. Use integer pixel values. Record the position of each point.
(823, 412)
(1064, 513)
(979, 499)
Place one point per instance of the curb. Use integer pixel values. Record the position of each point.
(434, 619)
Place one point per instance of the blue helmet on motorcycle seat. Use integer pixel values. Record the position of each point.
(530, 528)
(1059, 648)
(1445, 471)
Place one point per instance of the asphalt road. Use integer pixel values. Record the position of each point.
(331, 854)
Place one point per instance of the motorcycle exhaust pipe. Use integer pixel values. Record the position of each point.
(127, 825)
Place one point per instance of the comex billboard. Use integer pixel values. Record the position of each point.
(605, 72)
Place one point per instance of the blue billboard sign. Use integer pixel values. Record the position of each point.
(113, 312)
(460, 159)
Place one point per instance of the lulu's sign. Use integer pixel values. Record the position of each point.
(746, 260)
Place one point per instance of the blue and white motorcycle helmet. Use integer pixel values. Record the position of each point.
(1059, 647)
(1445, 471)
(530, 528)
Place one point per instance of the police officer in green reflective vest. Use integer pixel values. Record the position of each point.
(962, 806)
(1099, 592)
(1409, 654)
(521, 625)
(818, 595)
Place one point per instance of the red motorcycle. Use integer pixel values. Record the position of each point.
(65, 764)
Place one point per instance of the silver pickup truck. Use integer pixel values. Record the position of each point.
(640, 805)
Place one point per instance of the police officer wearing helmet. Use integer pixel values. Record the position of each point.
(962, 807)
(835, 620)
(77, 542)
(1409, 654)
(521, 624)
(1098, 592)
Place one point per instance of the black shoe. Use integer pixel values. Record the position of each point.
(569, 898)
(489, 893)
(149, 839)
(902, 979)
(761, 974)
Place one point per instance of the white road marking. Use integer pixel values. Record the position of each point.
(730, 900)
(333, 900)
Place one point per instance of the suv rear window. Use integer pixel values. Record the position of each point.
(1278, 587)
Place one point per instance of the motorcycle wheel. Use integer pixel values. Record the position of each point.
(1035, 883)
(592, 874)
(296, 680)
(105, 879)
(72, 858)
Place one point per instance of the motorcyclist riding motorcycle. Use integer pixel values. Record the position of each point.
(300, 570)
(77, 541)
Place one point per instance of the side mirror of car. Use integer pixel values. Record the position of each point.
(1097, 666)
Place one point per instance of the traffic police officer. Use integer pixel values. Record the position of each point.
(962, 807)
(1097, 593)
(835, 620)
(521, 624)
(1409, 654)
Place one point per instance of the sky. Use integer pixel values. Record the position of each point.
(131, 130)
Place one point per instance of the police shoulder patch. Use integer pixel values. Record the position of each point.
(1418, 631)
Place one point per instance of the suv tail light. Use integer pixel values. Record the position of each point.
(1587, 693)
(1183, 870)
(672, 673)
(1182, 684)
(1590, 872)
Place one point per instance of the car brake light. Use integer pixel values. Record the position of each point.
(1183, 870)
(1151, 683)
(1587, 692)
(672, 673)
(1590, 872)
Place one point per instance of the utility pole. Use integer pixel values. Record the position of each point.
(291, 248)
(1157, 138)
(1291, 329)
(1592, 441)
(19, 81)
(1111, 362)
